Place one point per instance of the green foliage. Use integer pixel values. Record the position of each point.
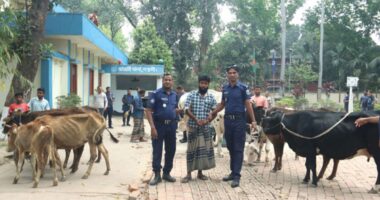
(149, 47)
(348, 47)
(327, 104)
(298, 104)
(70, 101)
(119, 39)
(302, 74)
(8, 35)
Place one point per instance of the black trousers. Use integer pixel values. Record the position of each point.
(108, 113)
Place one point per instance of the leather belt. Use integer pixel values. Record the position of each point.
(234, 117)
(166, 122)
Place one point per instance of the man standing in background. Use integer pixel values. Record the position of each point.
(109, 109)
(39, 103)
(127, 102)
(100, 100)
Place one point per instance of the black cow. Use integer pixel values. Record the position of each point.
(307, 135)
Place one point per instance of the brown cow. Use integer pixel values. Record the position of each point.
(73, 131)
(39, 141)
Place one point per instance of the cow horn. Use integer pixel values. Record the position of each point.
(8, 126)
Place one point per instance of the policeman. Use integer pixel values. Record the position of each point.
(235, 100)
(162, 116)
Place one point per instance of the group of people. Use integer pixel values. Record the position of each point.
(38, 103)
(202, 108)
(132, 106)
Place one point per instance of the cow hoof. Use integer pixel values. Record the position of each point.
(373, 191)
(314, 184)
(55, 183)
(330, 178)
(305, 181)
(273, 170)
(63, 179)
(35, 185)
(251, 164)
(85, 176)
(97, 161)
(15, 181)
(106, 173)
(73, 170)
(64, 166)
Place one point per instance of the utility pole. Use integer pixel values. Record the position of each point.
(283, 50)
(321, 51)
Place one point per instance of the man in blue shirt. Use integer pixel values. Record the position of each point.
(138, 118)
(162, 116)
(235, 100)
(127, 102)
(39, 103)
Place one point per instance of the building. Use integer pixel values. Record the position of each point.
(82, 59)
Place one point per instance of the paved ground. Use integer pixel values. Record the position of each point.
(355, 177)
(128, 165)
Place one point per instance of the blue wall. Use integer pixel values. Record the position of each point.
(47, 79)
(78, 25)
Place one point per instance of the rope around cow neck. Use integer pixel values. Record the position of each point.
(317, 136)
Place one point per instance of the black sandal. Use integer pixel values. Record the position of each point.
(202, 177)
(186, 179)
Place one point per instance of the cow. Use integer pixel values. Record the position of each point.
(73, 131)
(328, 133)
(39, 141)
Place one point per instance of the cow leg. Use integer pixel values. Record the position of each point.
(267, 149)
(307, 175)
(18, 163)
(376, 156)
(67, 155)
(260, 150)
(326, 161)
(99, 156)
(102, 149)
(313, 166)
(92, 159)
(52, 152)
(59, 162)
(77, 155)
(335, 169)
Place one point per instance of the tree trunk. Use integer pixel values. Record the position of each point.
(205, 40)
(29, 61)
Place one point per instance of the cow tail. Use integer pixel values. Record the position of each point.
(98, 136)
(113, 138)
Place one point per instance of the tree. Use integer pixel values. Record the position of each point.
(207, 15)
(110, 13)
(173, 23)
(149, 47)
(348, 45)
(29, 45)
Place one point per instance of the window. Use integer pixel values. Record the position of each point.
(91, 86)
(124, 82)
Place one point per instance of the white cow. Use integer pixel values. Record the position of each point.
(217, 123)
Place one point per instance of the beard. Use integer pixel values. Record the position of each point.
(202, 90)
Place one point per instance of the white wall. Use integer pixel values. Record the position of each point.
(60, 82)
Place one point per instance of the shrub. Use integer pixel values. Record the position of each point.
(70, 101)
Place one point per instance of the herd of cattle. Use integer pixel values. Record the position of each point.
(40, 134)
(308, 133)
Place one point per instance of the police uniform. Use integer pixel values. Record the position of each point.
(234, 98)
(164, 115)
